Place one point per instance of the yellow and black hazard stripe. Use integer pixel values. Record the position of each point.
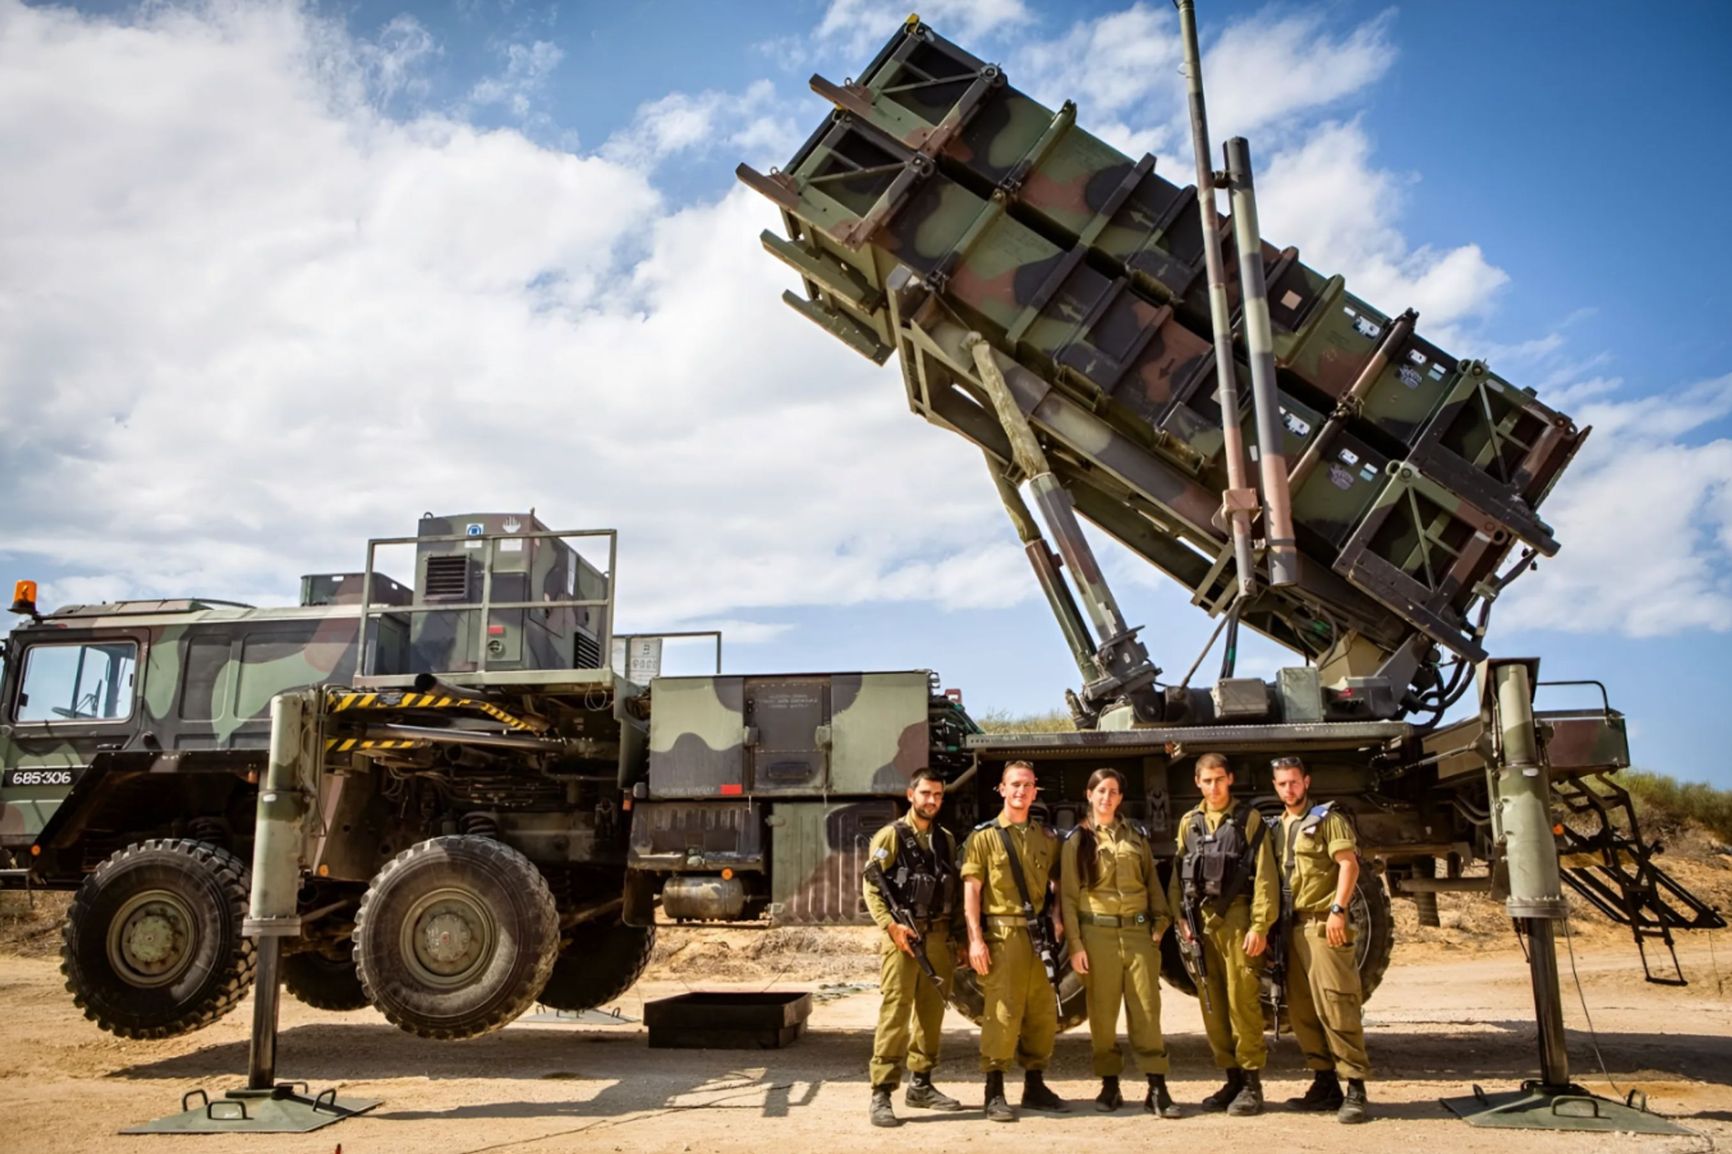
(342, 701)
(356, 744)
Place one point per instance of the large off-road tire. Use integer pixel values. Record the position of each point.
(1372, 920)
(152, 945)
(455, 937)
(325, 981)
(1073, 1007)
(603, 960)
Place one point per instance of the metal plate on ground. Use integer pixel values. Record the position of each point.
(1535, 1107)
(279, 1111)
(727, 1020)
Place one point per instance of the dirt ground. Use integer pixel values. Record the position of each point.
(1455, 1010)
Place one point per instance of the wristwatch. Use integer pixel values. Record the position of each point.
(1337, 908)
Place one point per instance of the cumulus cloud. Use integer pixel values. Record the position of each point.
(750, 124)
(230, 356)
(858, 26)
(519, 84)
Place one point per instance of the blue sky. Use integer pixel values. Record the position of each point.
(275, 278)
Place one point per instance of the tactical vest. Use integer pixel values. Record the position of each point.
(925, 881)
(1218, 866)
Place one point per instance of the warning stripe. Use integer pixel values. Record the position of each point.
(343, 701)
(350, 744)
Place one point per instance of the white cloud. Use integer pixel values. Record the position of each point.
(228, 356)
(516, 88)
(860, 26)
(748, 124)
(1645, 520)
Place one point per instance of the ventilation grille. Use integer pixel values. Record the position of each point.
(588, 652)
(447, 579)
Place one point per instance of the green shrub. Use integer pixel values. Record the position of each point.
(1667, 801)
(1003, 721)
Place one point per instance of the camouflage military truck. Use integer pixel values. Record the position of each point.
(493, 816)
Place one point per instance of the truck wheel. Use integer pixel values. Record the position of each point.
(1072, 997)
(324, 981)
(152, 945)
(455, 936)
(1372, 920)
(602, 962)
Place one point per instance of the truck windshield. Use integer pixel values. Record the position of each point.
(89, 682)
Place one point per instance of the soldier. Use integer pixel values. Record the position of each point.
(1117, 911)
(1227, 891)
(917, 860)
(1021, 1017)
(1319, 870)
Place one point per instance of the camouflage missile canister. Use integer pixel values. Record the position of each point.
(938, 200)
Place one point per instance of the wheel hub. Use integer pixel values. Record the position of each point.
(447, 937)
(150, 939)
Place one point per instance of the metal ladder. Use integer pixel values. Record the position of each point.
(1614, 870)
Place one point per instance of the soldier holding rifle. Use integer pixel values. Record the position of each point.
(910, 888)
(1319, 870)
(1008, 870)
(1227, 892)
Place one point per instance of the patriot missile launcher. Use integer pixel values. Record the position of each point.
(1115, 349)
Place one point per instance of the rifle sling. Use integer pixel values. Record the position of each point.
(1029, 913)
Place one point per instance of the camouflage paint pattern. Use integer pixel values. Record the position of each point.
(855, 733)
(938, 199)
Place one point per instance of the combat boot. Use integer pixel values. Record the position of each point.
(1223, 1097)
(1109, 1099)
(1250, 1098)
(1159, 1102)
(997, 1109)
(1037, 1095)
(1323, 1094)
(923, 1095)
(880, 1111)
(1353, 1103)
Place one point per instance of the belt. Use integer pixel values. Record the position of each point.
(1113, 921)
(1311, 915)
(1006, 919)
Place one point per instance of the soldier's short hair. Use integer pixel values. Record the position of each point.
(924, 773)
(1213, 761)
(1289, 761)
(1010, 765)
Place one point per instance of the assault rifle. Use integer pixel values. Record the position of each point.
(1191, 914)
(1040, 931)
(903, 916)
(1275, 957)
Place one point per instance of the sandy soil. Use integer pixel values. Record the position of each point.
(1454, 1011)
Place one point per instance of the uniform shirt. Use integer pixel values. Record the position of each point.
(1265, 888)
(886, 843)
(984, 859)
(1315, 872)
(1125, 880)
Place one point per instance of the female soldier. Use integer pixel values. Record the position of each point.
(1113, 898)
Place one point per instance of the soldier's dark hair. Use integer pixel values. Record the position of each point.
(924, 773)
(1213, 761)
(1289, 761)
(1088, 863)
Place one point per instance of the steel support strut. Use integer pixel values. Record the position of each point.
(286, 795)
(1522, 824)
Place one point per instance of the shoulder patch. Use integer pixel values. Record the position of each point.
(1142, 830)
(987, 824)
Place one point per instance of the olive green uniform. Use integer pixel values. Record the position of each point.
(1233, 1013)
(1323, 992)
(909, 995)
(1118, 920)
(1021, 1018)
